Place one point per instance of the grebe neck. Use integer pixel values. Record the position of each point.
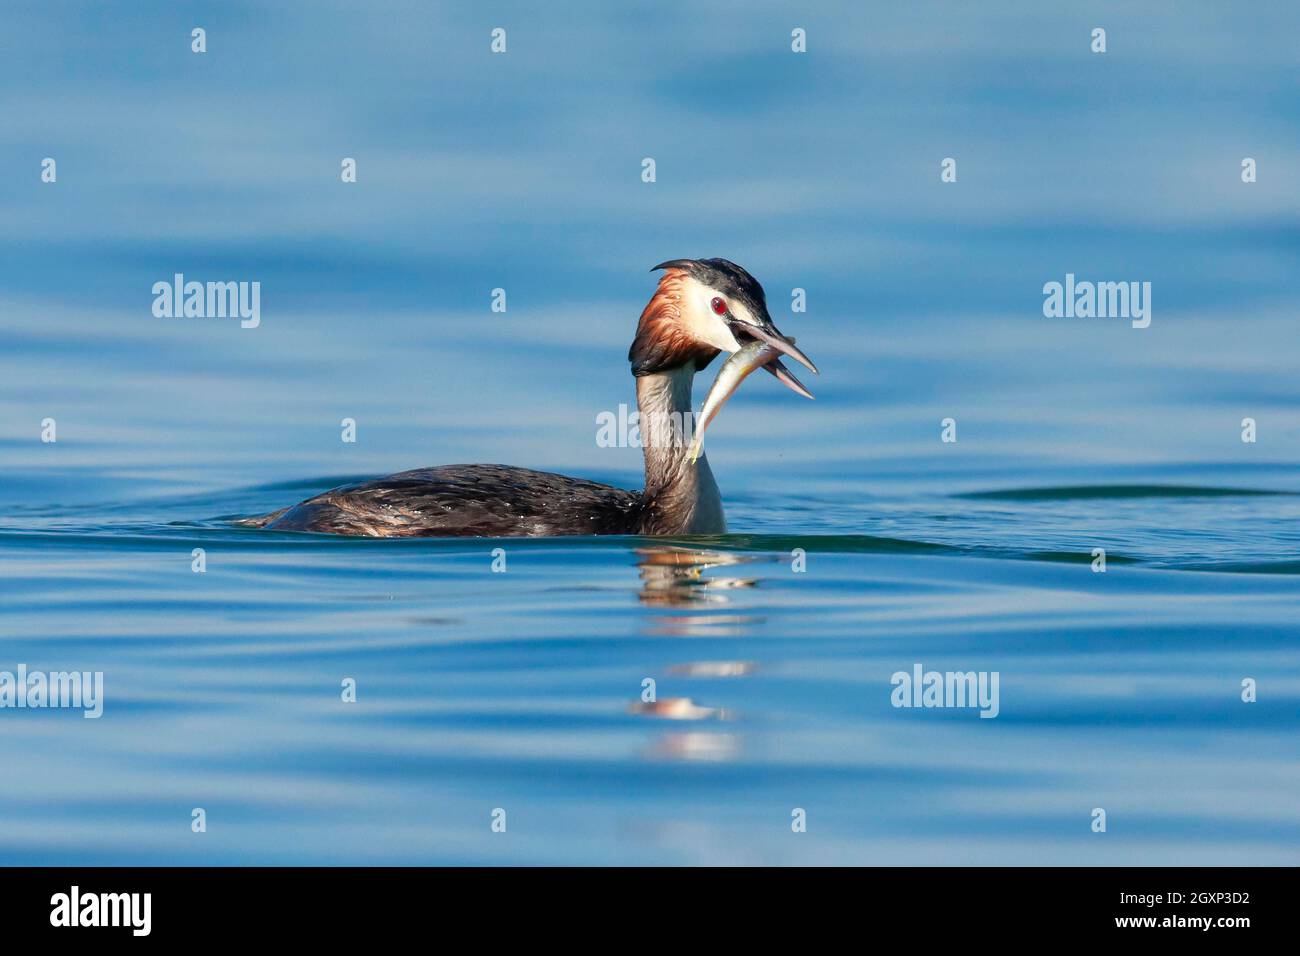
(681, 497)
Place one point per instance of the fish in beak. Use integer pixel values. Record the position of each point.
(756, 353)
(763, 329)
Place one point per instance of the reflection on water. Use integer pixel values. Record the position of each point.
(674, 576)
(676, 708)
(713, 669)
(695, 746)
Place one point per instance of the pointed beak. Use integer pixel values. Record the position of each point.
(769, 333)
(777, 368)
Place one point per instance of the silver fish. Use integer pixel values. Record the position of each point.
(755, 355)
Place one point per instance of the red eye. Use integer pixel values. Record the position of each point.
(719, 306)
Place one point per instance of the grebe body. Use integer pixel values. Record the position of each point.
(700, 308)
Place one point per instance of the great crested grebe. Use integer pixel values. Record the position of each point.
(701, 307)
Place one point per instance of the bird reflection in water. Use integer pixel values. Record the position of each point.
(675, 577)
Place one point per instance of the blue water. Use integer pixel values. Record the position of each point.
(522, 690)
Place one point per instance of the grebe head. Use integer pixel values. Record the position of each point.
(702, 307)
